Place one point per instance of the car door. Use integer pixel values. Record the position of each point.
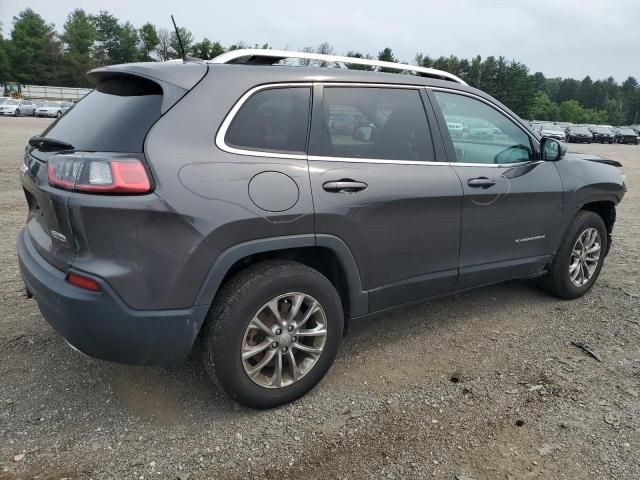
(381, 185)
(512, 205)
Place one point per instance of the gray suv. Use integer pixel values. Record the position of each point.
(251, 210)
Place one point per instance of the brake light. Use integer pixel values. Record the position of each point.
(98, 175)
(83, 282)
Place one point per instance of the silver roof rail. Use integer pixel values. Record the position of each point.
(260, 56)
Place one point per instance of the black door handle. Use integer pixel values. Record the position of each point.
(481, 182)
(346, 186)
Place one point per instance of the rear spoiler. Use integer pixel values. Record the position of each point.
(183, 75)
(175, 79)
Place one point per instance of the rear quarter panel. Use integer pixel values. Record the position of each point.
(210, 187)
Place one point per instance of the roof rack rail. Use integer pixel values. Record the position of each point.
(260, 56)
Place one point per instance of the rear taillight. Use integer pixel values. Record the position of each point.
(98, 175)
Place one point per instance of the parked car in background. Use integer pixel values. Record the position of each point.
(148, 234)
(602, 134)
(17, 108)
(456, 128)
(551, 130)
(537, 126)
(52, 109)
(626, 135)
(579, 133)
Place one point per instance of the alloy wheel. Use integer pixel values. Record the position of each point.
(585, 257)
(284, 340)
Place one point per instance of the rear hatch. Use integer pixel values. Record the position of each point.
(109, 124)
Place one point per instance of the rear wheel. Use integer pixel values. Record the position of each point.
(579, 259)
(16, 113)
(272, 333)
(59, 113)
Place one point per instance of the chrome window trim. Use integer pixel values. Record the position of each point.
(321, 158)
(224, 126)
(369, 85)
(494, 165)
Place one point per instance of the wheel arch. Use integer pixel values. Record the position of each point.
(325, 253)
(605, 209)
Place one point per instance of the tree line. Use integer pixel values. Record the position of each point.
(36, 53)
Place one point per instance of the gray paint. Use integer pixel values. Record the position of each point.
(416, 231)
(262, 186)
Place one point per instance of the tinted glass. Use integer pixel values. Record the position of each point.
(276, 120)
(480, 133)
(115, 117)
(376, 123)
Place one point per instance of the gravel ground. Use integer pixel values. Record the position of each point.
(482, 385)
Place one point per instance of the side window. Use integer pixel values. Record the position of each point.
(275, 119)
(375, 123)
(480, 133)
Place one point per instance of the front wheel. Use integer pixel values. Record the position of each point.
(579, 259)
(272, 333)
(16, 113)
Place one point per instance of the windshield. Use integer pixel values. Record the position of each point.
(627, 131)
(11, 102)
(579, 129)
(52, 104)
(552, 127)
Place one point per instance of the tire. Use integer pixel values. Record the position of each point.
(227, 330)
(557, 280)
(16, 113)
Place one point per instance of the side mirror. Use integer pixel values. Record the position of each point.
(552, 149)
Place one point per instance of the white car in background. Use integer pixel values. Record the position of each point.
(17, 108)
(52, 109)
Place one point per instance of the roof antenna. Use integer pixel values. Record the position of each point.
(185, 57)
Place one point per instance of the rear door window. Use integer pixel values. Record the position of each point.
(115, 117)
(275, 119)
(375, 123)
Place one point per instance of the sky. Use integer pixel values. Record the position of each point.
(561, 38)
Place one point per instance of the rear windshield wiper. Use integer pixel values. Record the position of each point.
(38, 141)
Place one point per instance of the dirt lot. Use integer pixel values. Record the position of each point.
(483, 385)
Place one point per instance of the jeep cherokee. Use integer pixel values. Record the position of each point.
(217, 205)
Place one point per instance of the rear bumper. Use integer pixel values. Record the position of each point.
(100, 325)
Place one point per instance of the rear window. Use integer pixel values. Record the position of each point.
(275, 120)
(115, 117)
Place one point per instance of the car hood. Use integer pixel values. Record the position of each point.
(592, 158)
